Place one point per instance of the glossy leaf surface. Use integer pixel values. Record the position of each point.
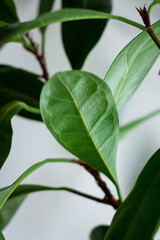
(6, 192)
(124, 130)
(138, 215)
(17, 84)
(79, 37)
(8, 11)
(9, 32)
(44, 7)
(98, 233)
(6, 114)
(79, 111)
(131, 66)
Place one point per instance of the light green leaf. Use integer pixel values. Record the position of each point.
(138, 215)
(131, 66)
(79, 111)
(1, 236)
(8, 11)
(155, 2)
(6, 192)
(21, 85)
(98, 233)
(6, 114)
(127, 128)
(64, 15)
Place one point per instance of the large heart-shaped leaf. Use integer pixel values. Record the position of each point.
(98, 233)
(79, 110)
(17, 84)
(6, 114)
(138, 215)
(81, 36)
(5, 193)
(8, 11)
(131, 66)
(9, 32)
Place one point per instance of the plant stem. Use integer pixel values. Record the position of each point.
(153, 36)
(108, 196)
(40, 57)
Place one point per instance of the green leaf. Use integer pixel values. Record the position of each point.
(6, 114)
(17, 84)
(79, 37)
(64, 15)
(79, 111)
(131, 66)
(127, 128)
(44, 7)
(8, 11)
(98, 233)
(155, 2)
(1, 236)
(138, 215)
(6, 192)
(16, 199)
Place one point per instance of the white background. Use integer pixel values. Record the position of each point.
(61, 215)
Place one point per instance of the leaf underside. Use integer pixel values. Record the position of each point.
(131, 66)
(78, 109)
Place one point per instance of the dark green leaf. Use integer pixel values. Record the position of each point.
(5, 193)
(127, 128)
(44, 7)
(17, 84)
(78, 109)
(64, 15)
(1, 236)
(138, 215)
(6, 114)
(131, 66)
(79, 37)
(98, 233)
(8, 11)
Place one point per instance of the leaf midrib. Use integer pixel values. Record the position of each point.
(86, 127)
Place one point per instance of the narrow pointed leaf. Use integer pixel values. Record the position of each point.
(16, 199)
(6, 114)
(44, 7)
(138, 215)
(131, 66)
(79, 111)
(6, 192)
(17, 84)
(7, 33)
(8, 11)
(155, 2)
(79, 37)
(129, 127)
(98, 233)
